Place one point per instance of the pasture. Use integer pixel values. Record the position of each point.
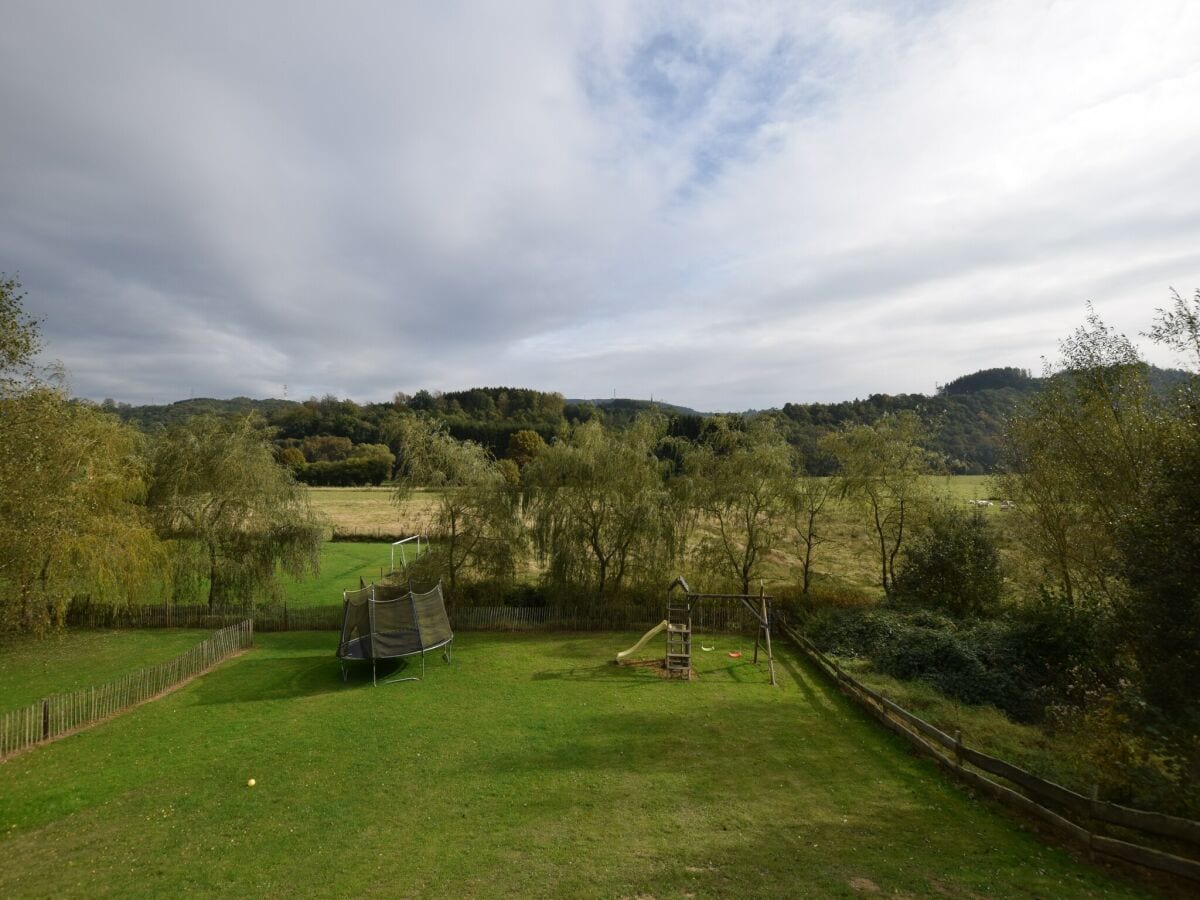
(371, 511)
(531, 766)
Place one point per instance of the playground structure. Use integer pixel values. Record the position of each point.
(389, 621)
(682, 602)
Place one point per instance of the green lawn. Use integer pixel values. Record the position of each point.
(341, 566)
(531, 766)
(33, 668)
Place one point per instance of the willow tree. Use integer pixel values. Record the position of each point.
(71, 486)
(475, 518)
(236, 515)
(1079, 458)
(743, 478)
(596, 497)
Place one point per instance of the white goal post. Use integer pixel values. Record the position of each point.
(418, 543)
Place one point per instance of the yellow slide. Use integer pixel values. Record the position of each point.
(657, 629)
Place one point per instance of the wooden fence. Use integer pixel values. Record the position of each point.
(722, 618)
(60, 714)
(1069, 813)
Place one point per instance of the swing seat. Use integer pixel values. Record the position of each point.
(735, 654)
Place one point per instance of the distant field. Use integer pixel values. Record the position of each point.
(31, 669)
(370, 511)
(530, 767)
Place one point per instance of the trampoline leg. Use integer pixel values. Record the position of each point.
(422, 663)
(373, 681)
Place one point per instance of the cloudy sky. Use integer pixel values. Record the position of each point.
(725, 206)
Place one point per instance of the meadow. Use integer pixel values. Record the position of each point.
(365, 512)
(531, 766)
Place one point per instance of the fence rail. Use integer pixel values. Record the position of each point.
(59, 714)
(1067, 811)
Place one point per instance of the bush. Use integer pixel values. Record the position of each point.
(952, 565)
(1053, 654)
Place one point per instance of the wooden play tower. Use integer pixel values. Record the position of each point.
(680, 604)
(679, 631)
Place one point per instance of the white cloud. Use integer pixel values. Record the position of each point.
(725, 206)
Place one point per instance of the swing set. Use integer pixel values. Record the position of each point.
(682, 605)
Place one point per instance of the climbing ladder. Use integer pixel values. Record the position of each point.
(679, 637)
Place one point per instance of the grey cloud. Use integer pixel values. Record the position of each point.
(730, 207)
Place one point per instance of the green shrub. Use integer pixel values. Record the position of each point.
(952, 565)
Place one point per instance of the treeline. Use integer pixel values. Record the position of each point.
(965, 420)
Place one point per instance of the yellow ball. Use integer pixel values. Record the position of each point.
(250, 783)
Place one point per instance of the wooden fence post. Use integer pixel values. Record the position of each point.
(45, 718)
(1090, 823)
(958, 748)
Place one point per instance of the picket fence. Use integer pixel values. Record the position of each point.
(59, 714)
(713, 617)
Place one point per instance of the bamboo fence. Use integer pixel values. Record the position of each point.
(1086, 820)
(60, 714)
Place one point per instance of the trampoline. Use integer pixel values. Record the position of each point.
(390, 621)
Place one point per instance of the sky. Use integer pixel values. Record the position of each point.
(725, 206)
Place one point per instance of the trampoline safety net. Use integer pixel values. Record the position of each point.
(384, 621)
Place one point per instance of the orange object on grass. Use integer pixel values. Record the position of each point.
(735, 654)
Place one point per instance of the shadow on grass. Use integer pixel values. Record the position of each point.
(279, 676)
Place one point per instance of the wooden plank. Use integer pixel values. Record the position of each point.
(1144, 856)
(1044, 790)
(920, 724)
(1021, 802)
(1151, 822)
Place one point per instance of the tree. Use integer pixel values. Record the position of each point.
(474, 514)
(215, 485)
(71, 486)
(952, 565)
(19, 340)
(596, 499)
(1079, 457)
(882, 470)
(805, 501)
(1159, 543)
(524, 446)
(744, 477)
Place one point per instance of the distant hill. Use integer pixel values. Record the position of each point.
(625, 406)
(967, 417)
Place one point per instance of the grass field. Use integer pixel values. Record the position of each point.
(532, 766)
(32, 669)
(371, 511)
(341, 565)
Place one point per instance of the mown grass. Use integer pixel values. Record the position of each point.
(531, 766)
(342, 563)
(32, 668)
